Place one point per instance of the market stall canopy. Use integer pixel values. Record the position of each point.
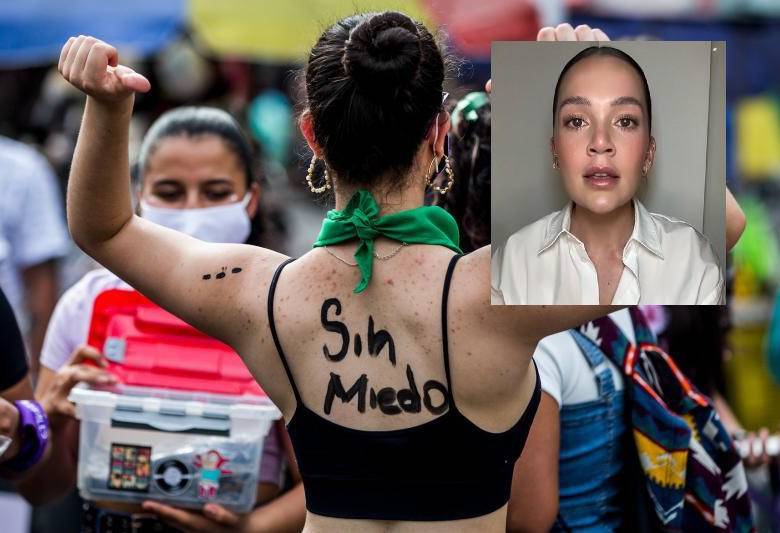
(281, 32)
(32, 32)
(285, 31)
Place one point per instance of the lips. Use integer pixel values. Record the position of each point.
(601, 172)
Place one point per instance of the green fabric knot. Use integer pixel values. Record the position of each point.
(467, 108)
(360, 220)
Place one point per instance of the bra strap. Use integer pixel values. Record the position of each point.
(444, 329)
(271, 292)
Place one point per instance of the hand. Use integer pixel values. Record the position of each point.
(92, 66)
(54, 399)
(564, 32)
(9, 426)
(214, 519)
(755, 450)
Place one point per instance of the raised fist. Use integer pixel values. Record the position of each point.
(92, 66)
(565, 32)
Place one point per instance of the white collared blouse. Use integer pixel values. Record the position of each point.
(665, 261)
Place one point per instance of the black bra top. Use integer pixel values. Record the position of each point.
(445, 469)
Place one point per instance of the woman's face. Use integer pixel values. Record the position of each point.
(601, 134)
(192, 172)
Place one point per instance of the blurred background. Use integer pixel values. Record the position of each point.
(245, 57)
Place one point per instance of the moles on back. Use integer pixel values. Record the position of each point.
(372, 360)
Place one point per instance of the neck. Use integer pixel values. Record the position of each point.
(609, 231)
(389, 200)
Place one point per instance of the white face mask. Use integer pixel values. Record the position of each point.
(223, 223)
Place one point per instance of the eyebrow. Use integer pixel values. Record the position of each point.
(173, 181)
(166, 182)
(581, 100)
(573, 100)
(626, 100)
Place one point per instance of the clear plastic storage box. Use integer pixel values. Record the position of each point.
(184, 451)
(185, 425)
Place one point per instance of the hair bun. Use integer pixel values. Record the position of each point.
(383, 53)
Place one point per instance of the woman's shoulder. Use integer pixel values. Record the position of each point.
(86, 289)
(676, 233)
(69, 323)
(531, 237)
(101, 279)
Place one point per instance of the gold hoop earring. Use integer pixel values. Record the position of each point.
(447, 170)
(310, 177)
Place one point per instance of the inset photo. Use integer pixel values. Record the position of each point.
(608, 173)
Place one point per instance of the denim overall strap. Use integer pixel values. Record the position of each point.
(595, 357)
(591, 451)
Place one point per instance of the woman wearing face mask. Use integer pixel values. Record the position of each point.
(604, 246)
(195, 176)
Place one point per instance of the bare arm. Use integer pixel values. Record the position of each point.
(735, 221)
(527, 323)
(533, 503)
(9, 415)
(285, 513)
(202, 283)
(56, 473)
(43, 483)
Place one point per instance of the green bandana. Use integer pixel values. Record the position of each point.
(361, 220)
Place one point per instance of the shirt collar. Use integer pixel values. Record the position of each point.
(558, 224)
(645, 230)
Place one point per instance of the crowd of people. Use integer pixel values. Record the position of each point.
(480, 418)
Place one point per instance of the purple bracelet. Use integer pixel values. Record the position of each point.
(34, 431)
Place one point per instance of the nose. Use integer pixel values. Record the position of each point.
(193, 199)
(600, 142)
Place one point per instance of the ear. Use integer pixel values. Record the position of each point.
(437, 133)
(254, 200)
(306, 124)
(650, 152)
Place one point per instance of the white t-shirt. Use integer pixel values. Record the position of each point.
(665, 261)
(565, 373)
(69, 324)
(32, 224)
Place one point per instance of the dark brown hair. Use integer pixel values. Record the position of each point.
(373, 87)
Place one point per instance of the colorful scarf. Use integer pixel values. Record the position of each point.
(694, 476)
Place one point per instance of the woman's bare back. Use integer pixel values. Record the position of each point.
(362, 360)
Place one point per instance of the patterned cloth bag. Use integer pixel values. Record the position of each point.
(694, 476)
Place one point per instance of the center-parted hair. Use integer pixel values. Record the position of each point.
(197, 121)
(606, 51)
(373, 87)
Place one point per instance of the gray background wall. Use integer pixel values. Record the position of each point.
(687, 86)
